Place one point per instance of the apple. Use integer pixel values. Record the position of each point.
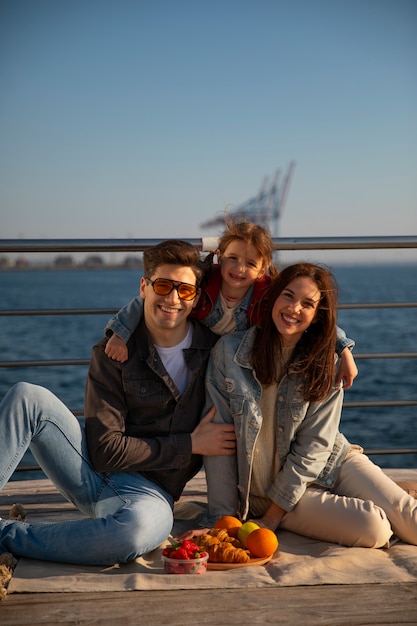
(245, 530)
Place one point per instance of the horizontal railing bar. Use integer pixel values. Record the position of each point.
(392, 451)
(346, 405)
(84, 245)
(112, 311)
(388, 355)
(387, 451)
(30, 312)
(57, 362)
(380, 403)
(393, 355)
(378, 305)
(203, 243)
(343, 243)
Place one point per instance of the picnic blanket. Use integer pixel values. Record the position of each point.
(298, 561)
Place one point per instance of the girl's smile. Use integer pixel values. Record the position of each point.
(241, 265)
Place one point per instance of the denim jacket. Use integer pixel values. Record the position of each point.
(310, 446)
(247, 313)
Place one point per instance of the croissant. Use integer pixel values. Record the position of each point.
(205, 541)
(222, 535)
(210, 539)
(222, 548)
(224, 552)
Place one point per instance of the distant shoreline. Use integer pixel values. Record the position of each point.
(67, 265)
(138, 266)
(80, 268)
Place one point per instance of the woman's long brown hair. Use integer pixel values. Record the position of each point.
(313, 356)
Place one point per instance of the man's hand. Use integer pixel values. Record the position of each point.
(212, 439)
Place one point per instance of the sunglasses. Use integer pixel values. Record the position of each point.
(164, 286)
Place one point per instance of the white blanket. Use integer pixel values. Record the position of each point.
(298, 561)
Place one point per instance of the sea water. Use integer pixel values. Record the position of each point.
(72, 336)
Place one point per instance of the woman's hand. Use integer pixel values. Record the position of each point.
(272, 517)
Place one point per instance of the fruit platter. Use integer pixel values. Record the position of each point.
(230, 544)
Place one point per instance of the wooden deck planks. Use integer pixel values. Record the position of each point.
(338, 605)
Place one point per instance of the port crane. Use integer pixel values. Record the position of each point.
(267, 206)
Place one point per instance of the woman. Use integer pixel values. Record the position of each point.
(293, 469)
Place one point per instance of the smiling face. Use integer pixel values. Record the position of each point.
(295, 309)
(166, 316)
(240, 266)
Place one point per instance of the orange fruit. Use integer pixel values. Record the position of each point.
(229, 523)
(262, 542)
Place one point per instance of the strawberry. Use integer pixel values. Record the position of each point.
(180, 558)
(184, 551)
(180, 553)
(191, 547)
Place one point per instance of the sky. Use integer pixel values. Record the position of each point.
(146, 118)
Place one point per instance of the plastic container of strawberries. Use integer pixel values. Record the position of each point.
(189, 566)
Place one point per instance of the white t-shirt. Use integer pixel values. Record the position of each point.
(174, 362)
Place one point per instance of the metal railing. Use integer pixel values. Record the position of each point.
(26, 246)
(203, 244)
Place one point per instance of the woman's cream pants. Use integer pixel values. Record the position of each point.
(364, 508)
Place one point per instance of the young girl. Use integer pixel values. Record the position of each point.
(293, 468)
(232, 294)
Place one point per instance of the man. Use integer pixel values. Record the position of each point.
(143, 438)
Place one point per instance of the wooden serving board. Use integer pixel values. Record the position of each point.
(225, 566)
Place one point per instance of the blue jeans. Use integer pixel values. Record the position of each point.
(128, 514)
